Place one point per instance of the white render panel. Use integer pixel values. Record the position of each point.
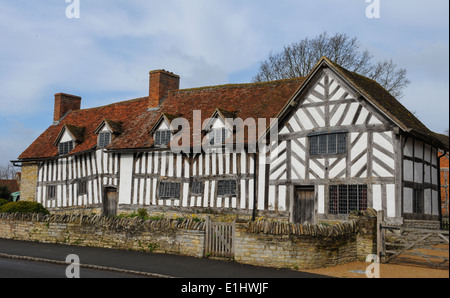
(407, 199)
(321, 199)
(390, 198)
(408, 170)
(126, 168)
(282, 198)
(271, 197)
(418, 149)
(66, 137)
(382, 139)
(350, 114)
(377, 200)
(418, 172)
(435, 202)
(362, 116)
(409, 147)
(427, 200)
(304, 119)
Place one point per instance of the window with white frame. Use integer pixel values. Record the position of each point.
(162, 137)
(218, 136)
(65, 147)
(104, 138)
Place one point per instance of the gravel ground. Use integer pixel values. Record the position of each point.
(403, 267)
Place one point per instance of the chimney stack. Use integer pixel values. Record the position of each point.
(161, 82)
(63, 104)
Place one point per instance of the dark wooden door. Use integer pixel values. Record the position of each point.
(303, 205)
(110, 201)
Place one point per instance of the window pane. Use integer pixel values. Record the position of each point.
(323, 144)
(343, 199)
(313, 145)
(332, 143)
(233, 187)
(196, 187)
(104, 139)
(362, 197)
(226, 187)
(333, 208)
(158, 138)
(341, 143)
(353, 198)
(162, 137)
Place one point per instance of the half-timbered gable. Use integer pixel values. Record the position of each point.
(336, 143)
(342, 144)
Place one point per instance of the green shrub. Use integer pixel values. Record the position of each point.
(23, 207)
(4, 192)
(3, 202)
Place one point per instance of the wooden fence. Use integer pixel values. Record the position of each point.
(394, 241)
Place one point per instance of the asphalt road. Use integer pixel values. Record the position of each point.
(14, 268)
(154, 265)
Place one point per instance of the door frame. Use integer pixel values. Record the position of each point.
(105, 202)
(300, 187)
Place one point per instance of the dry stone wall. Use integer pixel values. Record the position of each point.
(264, 243)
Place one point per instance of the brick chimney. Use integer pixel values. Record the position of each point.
(63, 104)
(161, 82)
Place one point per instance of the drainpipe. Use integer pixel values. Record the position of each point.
(255, 185)
(439, 188)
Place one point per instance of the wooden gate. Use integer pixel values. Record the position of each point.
(396, 241)
(219, 239)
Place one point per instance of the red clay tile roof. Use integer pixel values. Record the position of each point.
(12, 185)
(257, 100)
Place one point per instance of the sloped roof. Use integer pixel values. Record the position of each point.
(256, 100)
(11, 184)
(388, 104)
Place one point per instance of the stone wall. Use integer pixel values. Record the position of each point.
(264, 243)
(159, 236)
(28, 181)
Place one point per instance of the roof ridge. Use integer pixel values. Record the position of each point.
(236, 85)
(114, 103)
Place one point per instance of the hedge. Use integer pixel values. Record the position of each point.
(23, 207)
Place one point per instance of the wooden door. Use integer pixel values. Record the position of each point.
(110, 201)
(303, 205)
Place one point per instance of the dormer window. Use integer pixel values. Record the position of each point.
(68, 138)
(65, 147)
(218, 136)
(107, 131)
(162, 137)
(104, 138)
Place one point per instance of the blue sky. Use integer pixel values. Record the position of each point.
(105, 55)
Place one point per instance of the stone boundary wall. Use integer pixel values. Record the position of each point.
(263, 243)
(158, 236)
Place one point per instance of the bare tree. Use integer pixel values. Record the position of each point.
(7, 172)
(297, 60)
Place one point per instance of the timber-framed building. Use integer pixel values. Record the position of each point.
(343, 144)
